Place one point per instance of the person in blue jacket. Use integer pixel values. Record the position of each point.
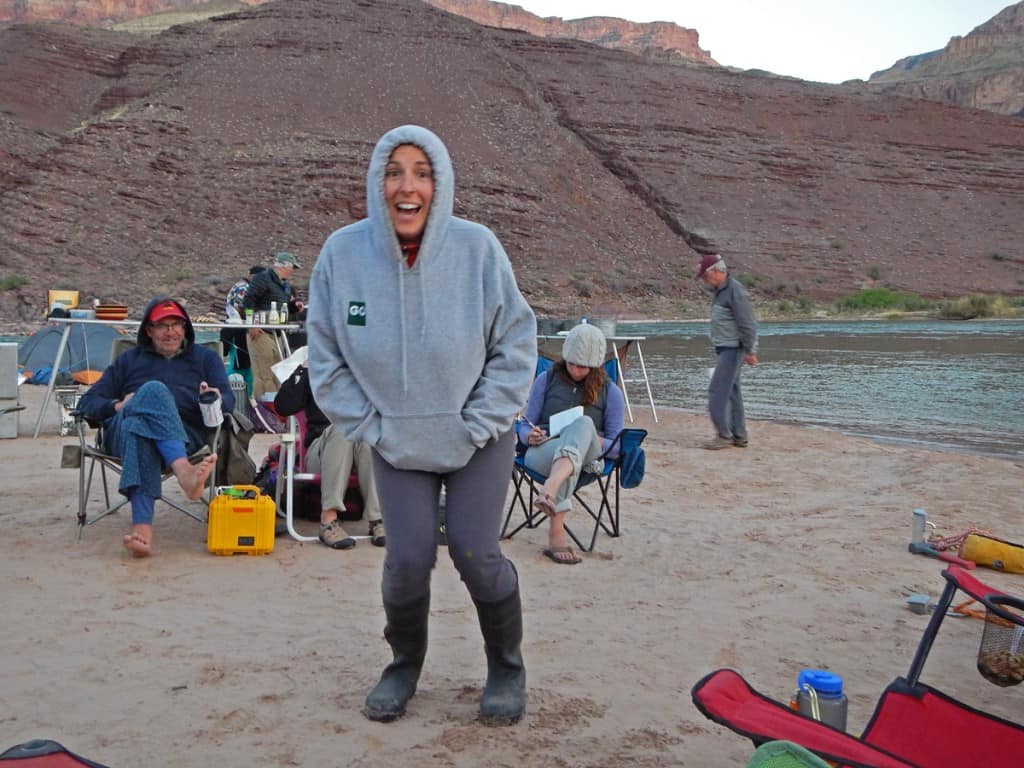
(422, 347)
(148, 401)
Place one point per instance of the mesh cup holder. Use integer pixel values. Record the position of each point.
(1001, 655)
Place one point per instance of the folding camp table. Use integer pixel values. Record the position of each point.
(280, 335)
(620, 348)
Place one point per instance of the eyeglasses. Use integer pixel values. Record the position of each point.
(174, 325)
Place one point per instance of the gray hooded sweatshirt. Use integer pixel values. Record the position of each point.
(425, 363)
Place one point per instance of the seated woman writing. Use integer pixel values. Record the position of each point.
(578, 379)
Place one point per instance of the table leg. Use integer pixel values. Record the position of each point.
(53, 377)
(647, 382)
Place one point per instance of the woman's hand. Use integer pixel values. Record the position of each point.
(536, 436)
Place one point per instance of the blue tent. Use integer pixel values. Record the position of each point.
(88, 349)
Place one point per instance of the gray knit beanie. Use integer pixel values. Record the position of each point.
(585, 345)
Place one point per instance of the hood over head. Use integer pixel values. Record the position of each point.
(441, 207)
(143, 339)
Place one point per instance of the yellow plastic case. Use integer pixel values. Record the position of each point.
(238, 525)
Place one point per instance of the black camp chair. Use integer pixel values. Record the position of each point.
(89, 454)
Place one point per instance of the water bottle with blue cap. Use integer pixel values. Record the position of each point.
(819, 694)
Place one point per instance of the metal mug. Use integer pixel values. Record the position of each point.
(209, 404)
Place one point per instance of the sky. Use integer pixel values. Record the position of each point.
(824, 40)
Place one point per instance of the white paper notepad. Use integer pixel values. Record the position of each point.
(563, 419)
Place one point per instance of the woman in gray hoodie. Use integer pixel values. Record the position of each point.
(421, 346)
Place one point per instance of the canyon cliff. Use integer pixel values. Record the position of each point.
(131, 165)
(983, 69)
(97, 13)
(654, 40)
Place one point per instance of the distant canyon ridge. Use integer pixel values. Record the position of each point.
(983, 69)
(168, 152)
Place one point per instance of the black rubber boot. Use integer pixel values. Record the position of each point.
(406, 633)
(504, 698)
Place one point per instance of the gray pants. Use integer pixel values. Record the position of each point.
(331, 456)
(475, 505)
(580, 443)
(725, 400)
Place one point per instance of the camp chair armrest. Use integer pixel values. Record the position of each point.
(80, 418)
(628, 435)
(970, 584)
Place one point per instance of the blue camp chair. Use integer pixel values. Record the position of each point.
(526, 481)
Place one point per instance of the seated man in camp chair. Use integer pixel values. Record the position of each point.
(148, 402)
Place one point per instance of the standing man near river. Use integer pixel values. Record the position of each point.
(734, 335)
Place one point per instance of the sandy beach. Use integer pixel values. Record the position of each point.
(791, 553)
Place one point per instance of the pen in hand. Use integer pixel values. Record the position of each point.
(534, 429)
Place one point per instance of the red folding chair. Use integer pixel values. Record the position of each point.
(914, 725)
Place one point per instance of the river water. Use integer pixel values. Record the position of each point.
(946, 385)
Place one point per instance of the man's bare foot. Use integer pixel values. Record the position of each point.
(140, 541)
(192, 477)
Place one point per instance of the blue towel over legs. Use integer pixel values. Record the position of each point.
(150, 416)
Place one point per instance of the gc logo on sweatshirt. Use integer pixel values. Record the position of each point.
(357, 313)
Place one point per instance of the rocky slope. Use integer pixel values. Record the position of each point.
(984, 69)
(95, 12)
(660, 40)
(131, 165)
(656, 40)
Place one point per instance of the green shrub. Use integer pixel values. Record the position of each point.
(878, 299)
(874, 272)
(12, 282)
(748, 281)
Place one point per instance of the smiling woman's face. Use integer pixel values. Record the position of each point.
(408, 189)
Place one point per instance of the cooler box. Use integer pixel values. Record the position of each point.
(241, 522)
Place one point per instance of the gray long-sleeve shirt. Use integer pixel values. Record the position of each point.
(732, 318)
